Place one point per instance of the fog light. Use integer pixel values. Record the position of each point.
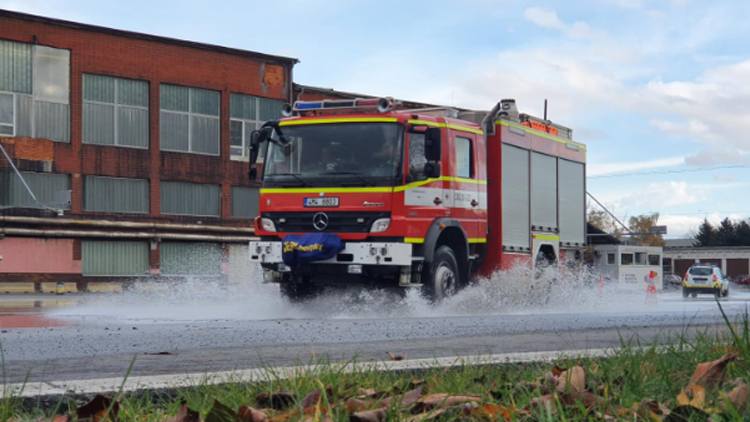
(373, 251)
(258, 250)
(268, 225)
(355, 269)
(268, 250)
(380, 225)
(384, 251)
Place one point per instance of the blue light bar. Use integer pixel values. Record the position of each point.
(308, 106)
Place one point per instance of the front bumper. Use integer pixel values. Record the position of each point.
(361, 253)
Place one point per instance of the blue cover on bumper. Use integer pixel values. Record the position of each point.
(298, 250)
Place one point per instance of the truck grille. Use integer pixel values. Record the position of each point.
(338, 221)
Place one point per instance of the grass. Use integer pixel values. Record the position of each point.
(626, 377)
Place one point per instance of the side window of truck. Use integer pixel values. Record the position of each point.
(417, 159)
(463, 158)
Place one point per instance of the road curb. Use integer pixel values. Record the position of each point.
(55, 392)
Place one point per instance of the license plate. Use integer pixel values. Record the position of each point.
(322, 202)
(700, 280)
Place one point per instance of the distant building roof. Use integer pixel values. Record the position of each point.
(138, 35)
(597, 236)
(678, 243)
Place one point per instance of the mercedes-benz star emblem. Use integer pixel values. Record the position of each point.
(320, 221)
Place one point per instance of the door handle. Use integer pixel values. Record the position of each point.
(437, 201)
(474, 202)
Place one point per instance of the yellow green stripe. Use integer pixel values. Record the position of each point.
(542, 134)
(342, 120)
(477, 240)
(463, 180)
(448, 125)
(413, 240)
(546, 237)
(327, 190)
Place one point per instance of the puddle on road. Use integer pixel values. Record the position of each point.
(508, 292)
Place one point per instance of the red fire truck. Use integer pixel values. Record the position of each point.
(419, 199)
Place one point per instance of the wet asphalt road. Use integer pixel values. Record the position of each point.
(85, 337)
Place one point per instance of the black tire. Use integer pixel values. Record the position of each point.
(298, 290)
(442, 277)
(725, 293)
(685, 293)
(693, 295)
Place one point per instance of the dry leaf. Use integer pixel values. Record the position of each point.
(587, 399)
(185, 414)
(311, 400)
(574, 378)
(248, 414)
(493, 412)
(222, 413)
(354, 405)
(61, 418)
(651, 409)
(434, 401)
(377, 415)
(277, 400)
(405, 400)
(542, 403)
(556, 371)
(738, 398)
(96, 409)
(395, 357)
(685, 413)
(710, 374)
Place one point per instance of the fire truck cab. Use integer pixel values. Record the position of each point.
(418, 199)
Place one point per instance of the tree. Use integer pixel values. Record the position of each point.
(725, 234)
(642, 224)
(706, 235)
(742, 233)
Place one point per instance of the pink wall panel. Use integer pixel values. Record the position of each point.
(30, 255)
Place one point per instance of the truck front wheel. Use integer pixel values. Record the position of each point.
(442, 278)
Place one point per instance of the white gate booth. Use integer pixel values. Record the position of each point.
(630, 266)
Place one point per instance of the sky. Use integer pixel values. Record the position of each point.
(658, 90)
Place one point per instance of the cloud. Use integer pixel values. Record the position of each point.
(722, 177)
(665, 194)
(718, 156)
(599, 169)
(547, 18)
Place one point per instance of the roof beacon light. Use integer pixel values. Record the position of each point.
(381, 104)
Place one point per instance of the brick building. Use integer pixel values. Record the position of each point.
(134, 147)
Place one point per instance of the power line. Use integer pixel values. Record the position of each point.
(656, 172)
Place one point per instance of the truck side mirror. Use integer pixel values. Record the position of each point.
(257, 137)
(432, 144)
(253, 173)
(432, 170)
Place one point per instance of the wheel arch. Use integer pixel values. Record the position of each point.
(448, 232)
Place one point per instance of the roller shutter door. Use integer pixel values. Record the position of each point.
(515, 197)
(543, 191)
(114, 258)
(737, 266)
(572, 202)
(682, 265)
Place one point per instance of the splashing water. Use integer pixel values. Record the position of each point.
(513, 291)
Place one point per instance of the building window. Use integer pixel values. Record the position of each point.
(108, 194)
(463, 158)
(244, 202)
(181, 198)
(50, 189)
(248, 113)
(640, 258)
(610, 259)
(653, 260)
(189, 258)
(115, 111)
(189, 119)
(114, 258)
(626, 259)
(34, 91)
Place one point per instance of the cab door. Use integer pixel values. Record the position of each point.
(467, 202)
(425, 197)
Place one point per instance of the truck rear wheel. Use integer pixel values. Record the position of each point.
(442, 277)
(298, 290)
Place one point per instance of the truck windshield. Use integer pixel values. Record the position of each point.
(336, 154)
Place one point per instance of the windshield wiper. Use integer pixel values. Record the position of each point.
(355, 174)
(301, 180)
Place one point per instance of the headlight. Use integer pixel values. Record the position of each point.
(380, 225)
(267, 224)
